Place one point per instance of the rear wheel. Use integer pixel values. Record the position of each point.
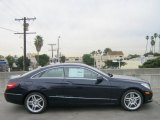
(132, 100)
(35, 103)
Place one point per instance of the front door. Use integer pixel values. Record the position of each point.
(80, 85)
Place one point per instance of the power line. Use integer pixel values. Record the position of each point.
(8, 29)
(23, 5)
(52, 49)
(11, 10)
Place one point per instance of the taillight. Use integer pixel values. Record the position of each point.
(11, 85)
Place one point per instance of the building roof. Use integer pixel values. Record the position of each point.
(120, 53)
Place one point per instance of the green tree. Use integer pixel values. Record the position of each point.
(159, 43)
(62, 59)
(38, 44)
(106, 50)
(111, 64)
(154, 63)
(43, 59)
(93, 53)
(19, 63)
(156, 54)
(149, 53)
(10, 60)
(88, 59)
(130, 56)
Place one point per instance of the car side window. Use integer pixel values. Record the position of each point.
(55, 72)
(77, 72)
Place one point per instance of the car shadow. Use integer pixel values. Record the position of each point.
(70, 109)
(108, 108)
(84, 108)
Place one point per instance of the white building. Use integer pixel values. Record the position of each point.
(33, 60)
(73, 60)
(113, 55)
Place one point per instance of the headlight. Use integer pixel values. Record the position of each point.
(146, 85)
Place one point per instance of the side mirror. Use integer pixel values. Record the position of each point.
(99, 79)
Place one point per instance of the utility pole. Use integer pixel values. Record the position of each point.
(25, 28)
(58, 50)
(52, 49)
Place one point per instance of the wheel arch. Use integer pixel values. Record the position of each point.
(133, 88)
(24, 97)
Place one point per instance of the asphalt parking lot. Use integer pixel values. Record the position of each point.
(149, 111)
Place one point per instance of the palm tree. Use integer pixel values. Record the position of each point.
(99, 52)
(155, 36)
(93, 53)
(38, 44)
(147, 37)
(152, 44)
(159, 43)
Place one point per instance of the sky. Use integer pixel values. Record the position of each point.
(84, 25)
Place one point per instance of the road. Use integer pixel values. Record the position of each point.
(9, 111)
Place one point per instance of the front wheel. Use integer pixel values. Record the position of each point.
(132, 100)
(35, 103)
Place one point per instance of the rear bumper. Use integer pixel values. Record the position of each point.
(14, 98)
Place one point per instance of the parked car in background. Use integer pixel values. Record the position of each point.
(3, 65)
(76, 84)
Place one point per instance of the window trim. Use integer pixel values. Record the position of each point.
(64, 73)
(32, 77)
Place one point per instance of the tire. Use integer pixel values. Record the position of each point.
(35, 103)
(132, 100)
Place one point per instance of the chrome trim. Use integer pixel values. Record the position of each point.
(12, 94)
(82, 98)
(76, 78)
(49, 78)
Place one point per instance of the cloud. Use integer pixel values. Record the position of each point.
(84, 25)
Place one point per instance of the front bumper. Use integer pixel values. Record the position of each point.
(148, 96)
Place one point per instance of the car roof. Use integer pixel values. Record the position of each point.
(67, 64)
(61, 65)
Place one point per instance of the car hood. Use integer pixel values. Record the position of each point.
(128, 78)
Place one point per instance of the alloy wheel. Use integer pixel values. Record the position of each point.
(35, 103)
(132, 100)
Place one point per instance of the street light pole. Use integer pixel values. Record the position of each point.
(52, 49)
(94, 61)
(58, 50)
(119, 64)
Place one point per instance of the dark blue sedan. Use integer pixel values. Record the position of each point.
(76, 84)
